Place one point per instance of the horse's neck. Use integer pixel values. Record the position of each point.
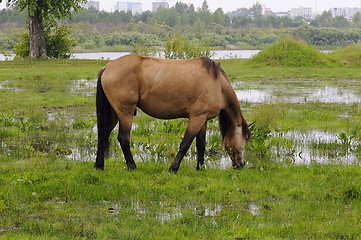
(232, 107)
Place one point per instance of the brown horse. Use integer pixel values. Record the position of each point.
(197, 89)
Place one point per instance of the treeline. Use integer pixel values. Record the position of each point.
(183, 15)
(243, 28)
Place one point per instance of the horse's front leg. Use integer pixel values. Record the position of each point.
(201, 146)
(195, 125)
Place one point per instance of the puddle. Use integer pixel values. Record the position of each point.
(4, 85)
(254, 95)
(302, 148)
(316, 147)
(84, 86)
(298, 94)
(254, 209)
(166, 212)
(334, 95)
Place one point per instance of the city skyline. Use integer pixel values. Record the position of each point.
(318, 6)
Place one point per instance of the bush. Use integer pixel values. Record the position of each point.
(58, 43)
(350, 55)
(290, 52)
(179, 47)
(140, 48)
(21, 48)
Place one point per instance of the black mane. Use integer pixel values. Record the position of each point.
(209, 64)
(225, 124)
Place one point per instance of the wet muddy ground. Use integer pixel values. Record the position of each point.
(299, 147)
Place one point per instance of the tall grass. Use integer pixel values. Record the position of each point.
(349, 55)
(288, 51)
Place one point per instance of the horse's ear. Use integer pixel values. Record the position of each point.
(250, 123)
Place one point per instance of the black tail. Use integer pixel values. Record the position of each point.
(104, 111)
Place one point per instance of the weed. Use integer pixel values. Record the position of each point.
(8, 119)
(345, 139)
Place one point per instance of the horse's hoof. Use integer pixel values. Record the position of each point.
(239, 166)
(131, 166)
(173, 169)
(200, 168)
(97, 167)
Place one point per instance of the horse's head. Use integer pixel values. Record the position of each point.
(235, 143)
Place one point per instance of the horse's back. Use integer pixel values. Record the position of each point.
(163, 88)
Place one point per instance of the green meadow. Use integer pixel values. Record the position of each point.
(301, 180)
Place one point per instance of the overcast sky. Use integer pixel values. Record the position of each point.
(231, 5)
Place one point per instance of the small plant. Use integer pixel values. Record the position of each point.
(179, 47)
(28, 148)
(345, 139)
(260, 142)
(8, 119)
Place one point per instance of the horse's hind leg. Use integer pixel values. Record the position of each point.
(125, 125)
(201, 146)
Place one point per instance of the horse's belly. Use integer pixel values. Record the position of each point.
(163, 110)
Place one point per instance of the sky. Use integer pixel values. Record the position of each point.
(231, 5)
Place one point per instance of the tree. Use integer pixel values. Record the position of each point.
(204, 13)
(219, 17)
(42, 14)
(256, 9)
(181, 7)
(356, 20)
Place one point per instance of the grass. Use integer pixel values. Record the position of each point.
(71, 199)
(50, 190)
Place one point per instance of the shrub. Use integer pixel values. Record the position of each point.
(179, 47)
(288, 51)
(140, 48)
(21, 48)
(58, 43)
(350, 55)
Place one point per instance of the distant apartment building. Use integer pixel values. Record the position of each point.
(301, 12)
(157, 5)
(345, 12)
(90, 4)
(134, 7)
